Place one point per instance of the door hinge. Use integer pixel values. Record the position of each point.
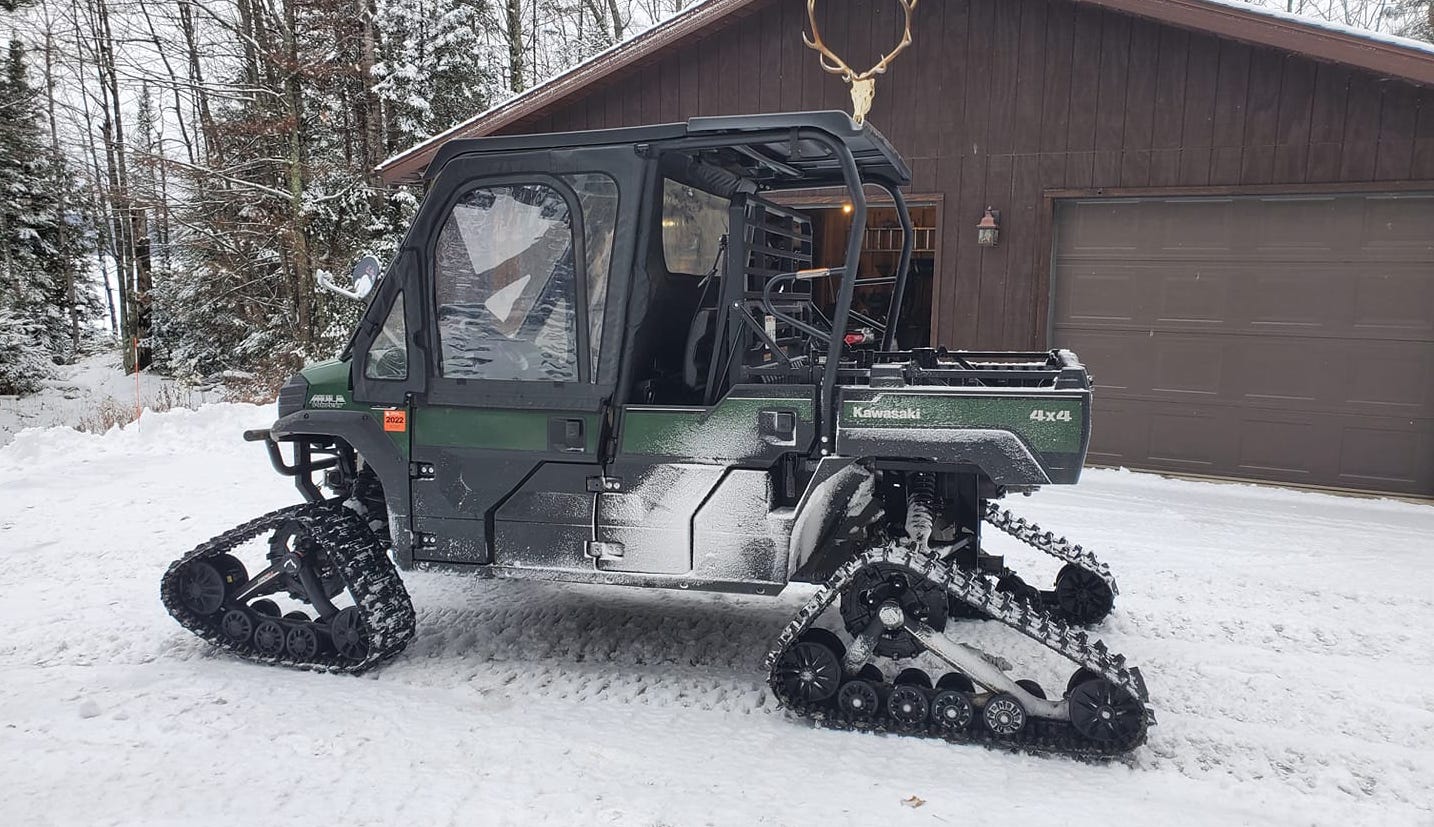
(598, 485)
(422, 471)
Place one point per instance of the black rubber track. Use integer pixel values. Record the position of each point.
(363, 564)
(1040, 736)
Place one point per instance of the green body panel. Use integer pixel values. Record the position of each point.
(329, 390)
(727, 429)
(330, 377)
(494, 428)
(1048, 423)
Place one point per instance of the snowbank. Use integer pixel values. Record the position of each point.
(178, 431)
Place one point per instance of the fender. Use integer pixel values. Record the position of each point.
(361, 431)
(835, 491)
(1002, 455)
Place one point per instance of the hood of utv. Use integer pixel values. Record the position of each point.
(324, 385)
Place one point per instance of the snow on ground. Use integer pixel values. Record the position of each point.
(1283, 636)
(80, 390)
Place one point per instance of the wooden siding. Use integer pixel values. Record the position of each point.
(1001, 102)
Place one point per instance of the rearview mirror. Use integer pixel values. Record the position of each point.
(365, 275)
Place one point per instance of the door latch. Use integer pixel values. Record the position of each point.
(567, 435)
(777, 427)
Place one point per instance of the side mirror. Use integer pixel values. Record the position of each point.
(364, 277)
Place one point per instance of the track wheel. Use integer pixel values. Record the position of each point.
(265, 607)
(809, 672)
(952, 710)
(1105, 713)
(1004, 715)
(911, 676)
(233, 572)
(1081, 596)
(826, 638)
(237, 625)
(1079, 677)
(202, 588)
(907, 706)
(956, 681)
(1032, 687)
(859, 699)
(269, 638)
(346, 629)
(302, 642)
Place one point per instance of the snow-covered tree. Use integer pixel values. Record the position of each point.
(434, 70)
(41, 241)
(24, 362)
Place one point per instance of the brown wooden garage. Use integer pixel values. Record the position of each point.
(1256, 303)
(1281, 337)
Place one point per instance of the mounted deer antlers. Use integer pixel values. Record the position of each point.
(863, 84)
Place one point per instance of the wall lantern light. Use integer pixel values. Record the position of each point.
(846, 208)
(989, 230)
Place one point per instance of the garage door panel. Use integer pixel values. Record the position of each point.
(1382, 378)
(1117, 372)
(1097, 295)
(1274, 443)
(1281, 339)
(1191, 293)
(1300, 229)
(1384, 454)
(1395, 228)
(1124, 429)
(1186, 366)
(1187, 439)
(1276, 369)
(1289, 296)
(1394, 299)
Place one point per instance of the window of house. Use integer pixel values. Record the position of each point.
(693, 225)
(506, 284)
(388, 355)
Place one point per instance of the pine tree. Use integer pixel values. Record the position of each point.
(433, 72)
(28, 224)
(42, 233)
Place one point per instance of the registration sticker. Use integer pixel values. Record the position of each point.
(395, 420)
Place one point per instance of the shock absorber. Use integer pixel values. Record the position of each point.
(920, 508)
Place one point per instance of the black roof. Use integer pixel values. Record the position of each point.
(804, 162)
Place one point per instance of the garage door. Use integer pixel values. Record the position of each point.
(1287, 339)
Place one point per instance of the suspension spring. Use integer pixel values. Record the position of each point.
(920, 507)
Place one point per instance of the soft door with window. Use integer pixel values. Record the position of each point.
(507, 443)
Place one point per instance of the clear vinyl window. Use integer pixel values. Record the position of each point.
(693, 226)
(597, 196)
(505, 284)
(388, 355)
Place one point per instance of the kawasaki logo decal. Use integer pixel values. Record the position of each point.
(861, 412)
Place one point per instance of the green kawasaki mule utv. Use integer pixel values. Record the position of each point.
(616, 357)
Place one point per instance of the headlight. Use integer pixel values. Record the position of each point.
(292, 395)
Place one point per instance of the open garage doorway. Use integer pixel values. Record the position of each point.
(880, 255)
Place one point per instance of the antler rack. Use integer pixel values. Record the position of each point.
(863, 84)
